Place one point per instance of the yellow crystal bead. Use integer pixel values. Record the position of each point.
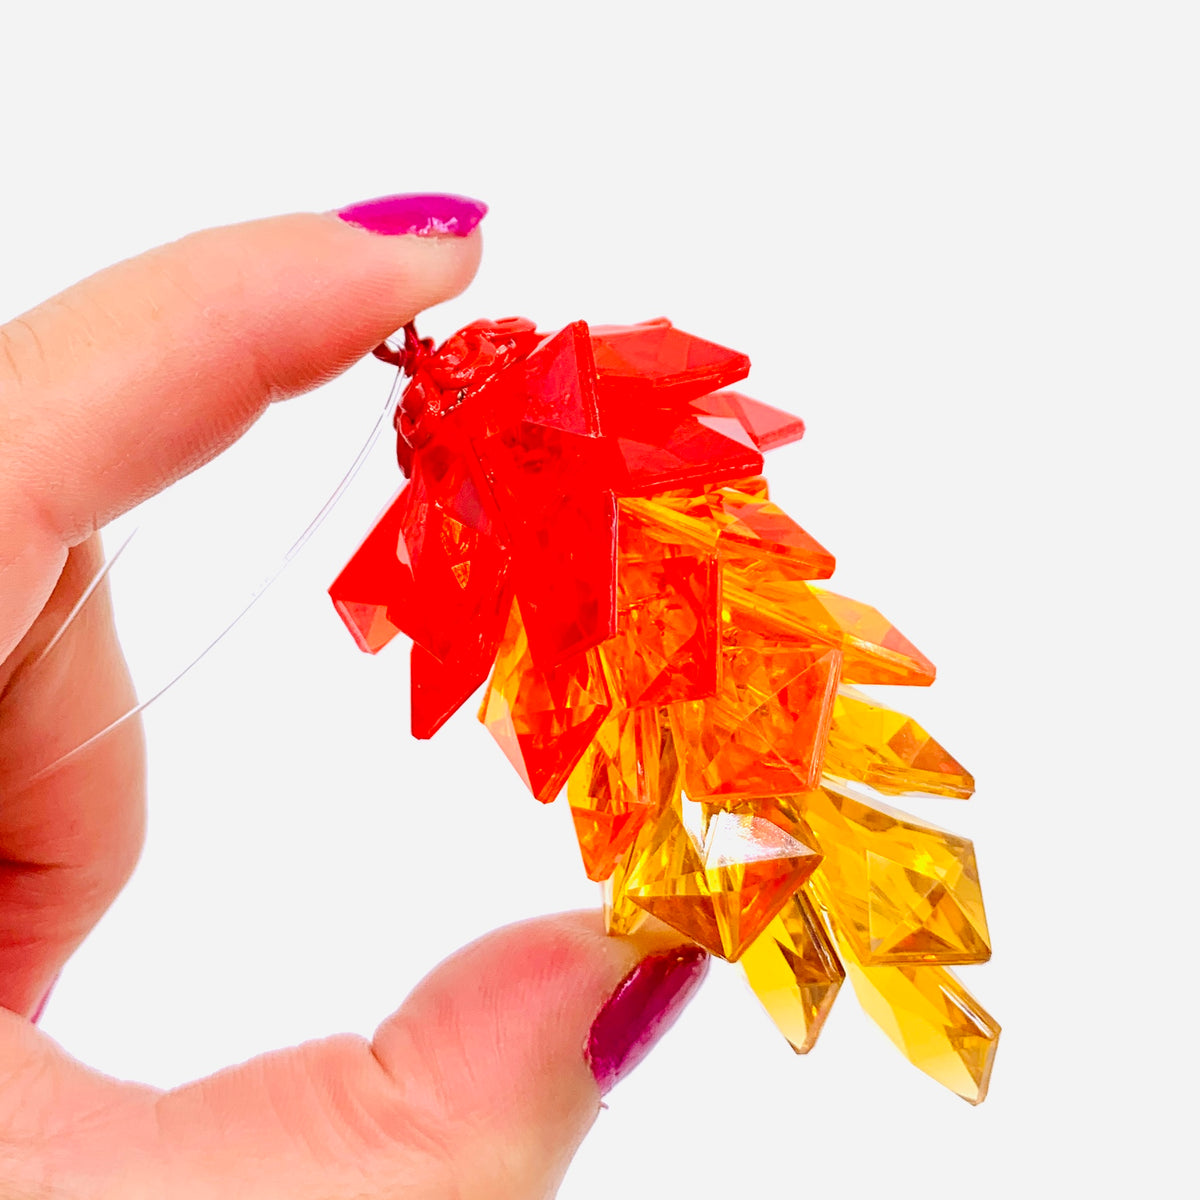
(899, 890)
(934, 1021)
(659, 777)
(794, 971)
(889, 751)
(931, 1019)
(621, 916)
(719, 879)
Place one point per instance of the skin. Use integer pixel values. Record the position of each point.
(477, 1085)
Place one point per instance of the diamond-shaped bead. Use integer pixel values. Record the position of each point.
(795, 972)
(543, 720)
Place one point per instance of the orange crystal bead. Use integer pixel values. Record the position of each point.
(721, 881)
(616, 788)
(586, 511)
(726, 521)
(667, 630)
(764, 732)
(543, 719)
(763, 606)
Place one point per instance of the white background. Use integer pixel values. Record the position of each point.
(961, 241)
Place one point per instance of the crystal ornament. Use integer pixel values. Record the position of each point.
(586, 521)
(795, 971)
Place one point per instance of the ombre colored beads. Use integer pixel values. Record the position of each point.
(586, 520)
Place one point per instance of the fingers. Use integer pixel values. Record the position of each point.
(107, 393)
(69, 841)
(480, 1086)
(138, 375)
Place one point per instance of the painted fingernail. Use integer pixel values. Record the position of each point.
(427, 214)
(644, 1006)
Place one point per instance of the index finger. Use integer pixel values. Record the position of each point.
(108, 393)
(143, 372)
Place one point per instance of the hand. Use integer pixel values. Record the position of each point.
(479, 1085)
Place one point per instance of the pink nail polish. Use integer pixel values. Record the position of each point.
(644, 1006)
(427, 214)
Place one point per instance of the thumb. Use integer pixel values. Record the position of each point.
(483, 1084)
(512, 1043)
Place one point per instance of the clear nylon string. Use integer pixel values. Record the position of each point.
(100, 576)
(381, 423)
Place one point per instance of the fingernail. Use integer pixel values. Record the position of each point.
(427, 214)
(41, 1008)
(644, 1006)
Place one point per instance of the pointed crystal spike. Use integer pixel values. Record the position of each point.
(543, 720)
(768, 427)
(889, 751)
(720, 880)
(900, 890)
(739, 528)
(615, 788)
(667, 638)
(371, 579)
(795, 972)
(763, 606)
(764, 732)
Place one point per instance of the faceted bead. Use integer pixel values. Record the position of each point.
(615, 788)
(661, 448)
(889, 751)
(934, 1021)
(550, 474)
(736, 526)
(437, 692)
(451, 542)
(560, 383)
(621, 916)
(931, 1019)
(656, 362)
(650, 381)
(566, 574)
(753, 487)
(759, 529)
(768, 427)
(542, 719)
(764, 732)
(668, 633)
(900, 890)
(367, 583)
(794, 970)
(764, 606)
(669, 855)
(720, 885)
(440, 688)
(875, 650)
